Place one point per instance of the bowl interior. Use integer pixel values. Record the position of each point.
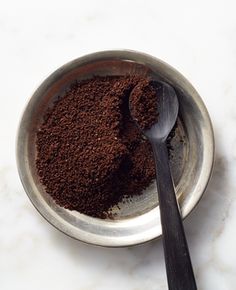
(137, 219)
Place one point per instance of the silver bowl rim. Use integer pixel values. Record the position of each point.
(205, 177)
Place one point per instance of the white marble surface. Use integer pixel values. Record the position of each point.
(196, 37)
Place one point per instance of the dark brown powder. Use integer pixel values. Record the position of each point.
(89, 152)
(144, 103)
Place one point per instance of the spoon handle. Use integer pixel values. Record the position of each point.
(179, 269)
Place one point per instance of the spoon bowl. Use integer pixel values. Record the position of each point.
(168, 107)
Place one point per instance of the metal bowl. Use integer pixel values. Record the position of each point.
(138, 220)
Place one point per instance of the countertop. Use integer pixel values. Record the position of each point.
(196, 37)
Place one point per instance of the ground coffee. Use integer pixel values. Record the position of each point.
(90, 153)
(144, 103)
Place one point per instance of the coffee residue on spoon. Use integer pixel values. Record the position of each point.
(144, 103)
(90, 154)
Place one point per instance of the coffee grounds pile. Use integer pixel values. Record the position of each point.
(144, 103)
(90, 153)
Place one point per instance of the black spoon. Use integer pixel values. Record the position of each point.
(178, 263)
